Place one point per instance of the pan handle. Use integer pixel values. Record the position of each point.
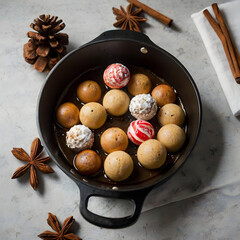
(137, 197)
(123, 35)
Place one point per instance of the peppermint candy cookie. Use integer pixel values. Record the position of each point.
(140, 131)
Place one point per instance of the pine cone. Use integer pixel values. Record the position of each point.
(46, 46)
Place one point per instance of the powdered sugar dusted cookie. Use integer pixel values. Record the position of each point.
(143, 106)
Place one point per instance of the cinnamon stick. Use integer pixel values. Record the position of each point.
(221, 30)
(162, 18)
(233, 52)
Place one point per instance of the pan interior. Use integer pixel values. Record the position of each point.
(96, 57)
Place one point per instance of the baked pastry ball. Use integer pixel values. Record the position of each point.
(140, 131)
(171, 113)
(93, 115)
(118, 166)
(116, 102)
(139, 83)
(67, 115)
(88, 162)
(152, 154)
(114, 139)
(79, 137)
(143, 106)
(89, 91)
(116, 75)
(172, 137)
(163, 94)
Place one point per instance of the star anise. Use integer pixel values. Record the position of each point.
(34, 160)
(59, 234)
(128, 19)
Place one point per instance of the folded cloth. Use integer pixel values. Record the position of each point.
(216, 52)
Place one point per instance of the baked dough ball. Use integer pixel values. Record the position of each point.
(163, 94)
(118, 166)
(143, 106)
(67, 115)
(79, 137)
(139, 83)
(171, 113)
(116, 75)
(88, 162)
(151, 154)
(114, 139)
(89, 91)
(93, 115)
(172, 137)
(140, 131)
(116, 102)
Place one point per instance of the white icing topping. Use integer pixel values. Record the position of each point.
(143, 106)
(79, 137)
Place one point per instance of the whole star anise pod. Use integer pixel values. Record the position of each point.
(34, 160)
(59, 234)
(128, 19)
(45, 46)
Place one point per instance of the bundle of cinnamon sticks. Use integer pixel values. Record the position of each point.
(219, 26)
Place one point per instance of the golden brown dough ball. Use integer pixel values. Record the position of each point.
(89, 91)
(139, 84)
(116, 102)
(151, 154)
(93, 115)
(118, 166)
(163, 94)
(171, 113)
(114, 139)
(88, 162)
(67, 115)
(172, 137)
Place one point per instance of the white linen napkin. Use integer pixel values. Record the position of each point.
(216, 52)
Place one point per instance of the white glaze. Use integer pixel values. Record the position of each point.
(79, 137)
(143, 106)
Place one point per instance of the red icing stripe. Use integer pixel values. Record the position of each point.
(140, 131)
(116, 75)
(134, 140)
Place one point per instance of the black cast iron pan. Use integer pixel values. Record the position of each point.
(110, 47)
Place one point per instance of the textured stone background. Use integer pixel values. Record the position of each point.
(202, 201)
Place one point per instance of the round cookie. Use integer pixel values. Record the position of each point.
(151, 154)
(116, 102)
(114, 139)
(118, 166)
(89, 91)
(79, 137)
(172, 137)
(67, 115)
(88, 162)
(140, 131)
(171, 113)
(116, 75)
(139, 83)
(93, 115)
(163, 94)
(143, 106)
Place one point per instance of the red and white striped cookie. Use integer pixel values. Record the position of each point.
(140, 131)
(116, 75)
